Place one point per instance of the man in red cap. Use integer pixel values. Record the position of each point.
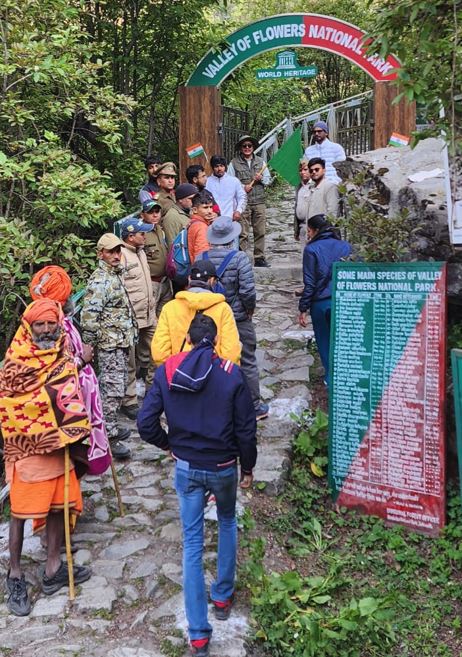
(42, 412)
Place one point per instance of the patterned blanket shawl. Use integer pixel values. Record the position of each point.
(41, 404)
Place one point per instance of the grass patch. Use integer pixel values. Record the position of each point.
(339, 584)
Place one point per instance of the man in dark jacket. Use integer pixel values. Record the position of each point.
(323, 249)
(211, 424)
(151, 188)
(238, 280)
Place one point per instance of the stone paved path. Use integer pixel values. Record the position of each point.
(132, 606)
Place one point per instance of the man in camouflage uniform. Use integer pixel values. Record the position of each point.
(109, 325)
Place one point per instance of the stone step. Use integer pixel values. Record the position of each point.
(286, 271)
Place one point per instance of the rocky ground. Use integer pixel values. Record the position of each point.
(132, 606)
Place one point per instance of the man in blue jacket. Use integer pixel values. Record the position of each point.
(211, 424)
(323, 249)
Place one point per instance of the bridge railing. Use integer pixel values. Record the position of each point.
(350, 123)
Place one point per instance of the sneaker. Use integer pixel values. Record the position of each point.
(18, 602)
(61, 578)
(261, 262)
(223, 609)
(119, 450)
(199, 647)
(123, 434)
(262, 411)
(130, 411)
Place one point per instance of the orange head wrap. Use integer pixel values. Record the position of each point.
(42, 310)
(51, 282)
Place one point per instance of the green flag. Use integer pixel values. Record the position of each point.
(287, 159)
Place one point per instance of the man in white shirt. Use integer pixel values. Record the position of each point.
(226, 190)
(328, 150)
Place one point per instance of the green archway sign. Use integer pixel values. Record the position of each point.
(291, 30)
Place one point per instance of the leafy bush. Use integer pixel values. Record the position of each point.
(297, 615)
(375, 237)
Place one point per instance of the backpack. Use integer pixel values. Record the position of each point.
(178, 260)
(219, 287)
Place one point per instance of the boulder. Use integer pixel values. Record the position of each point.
(380, 179)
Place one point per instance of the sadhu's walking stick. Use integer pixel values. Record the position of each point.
(116, 485)
(67, 523)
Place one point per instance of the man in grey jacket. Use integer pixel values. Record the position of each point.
(238, 282)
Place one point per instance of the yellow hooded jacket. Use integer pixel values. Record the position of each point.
(176, 317)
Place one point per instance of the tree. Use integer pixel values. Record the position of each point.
(430, 29)
(57, 120)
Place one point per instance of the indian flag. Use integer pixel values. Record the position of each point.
(195, 150)
(398, 140)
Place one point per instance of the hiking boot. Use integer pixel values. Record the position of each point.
(61, 578)
(18, 602)
(223, 609)
(199, 647)
(261, 262)
(123, 434)
(130, 411)
(119, 450)
(262, 411)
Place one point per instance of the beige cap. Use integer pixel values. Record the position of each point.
(168, 168)
(108, 241)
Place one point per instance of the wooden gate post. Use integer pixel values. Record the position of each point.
(390, 118)
(200, 122)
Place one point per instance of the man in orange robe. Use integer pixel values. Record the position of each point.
(41, 412)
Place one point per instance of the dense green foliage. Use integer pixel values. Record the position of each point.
(426, 35)
(329, 582)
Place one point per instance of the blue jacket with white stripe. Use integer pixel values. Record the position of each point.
(209, 410)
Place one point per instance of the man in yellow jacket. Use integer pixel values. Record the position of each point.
(177, 315)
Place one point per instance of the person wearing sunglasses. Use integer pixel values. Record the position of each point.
(251, 170)
(326, 149)
(324, 197)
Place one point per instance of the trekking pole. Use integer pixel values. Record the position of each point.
(265, 166)
(67, 524)
(116, 485)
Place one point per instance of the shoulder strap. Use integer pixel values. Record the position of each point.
(224, 263)
(205, 255)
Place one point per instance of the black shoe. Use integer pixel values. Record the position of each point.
(198, 648)
(123, 434)
(61, 578)
(130, 411)
(261, 262)
(18, 602)
(119, 450)
(223, 609)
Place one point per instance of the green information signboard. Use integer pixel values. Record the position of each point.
(387, 364)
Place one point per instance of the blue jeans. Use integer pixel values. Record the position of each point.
(191, 486)
(320, 317)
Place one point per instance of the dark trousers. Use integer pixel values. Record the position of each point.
(320, 318)
(249, 365)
